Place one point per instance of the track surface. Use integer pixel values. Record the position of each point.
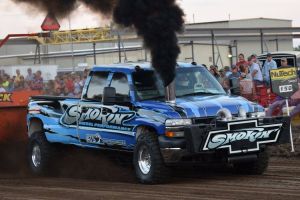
(90, 175)
(281, 181)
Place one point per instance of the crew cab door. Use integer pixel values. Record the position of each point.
(106, 125)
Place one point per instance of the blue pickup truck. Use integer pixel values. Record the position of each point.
(125, 107)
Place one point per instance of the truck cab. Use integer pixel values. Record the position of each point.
(124, 108)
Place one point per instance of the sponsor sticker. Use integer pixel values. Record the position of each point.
(97, 139)
(284, 81)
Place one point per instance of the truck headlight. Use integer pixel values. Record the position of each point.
(224, 115)
(257, 114)
(178, 122)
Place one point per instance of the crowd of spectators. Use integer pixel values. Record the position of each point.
(242, 78)
(246, 76)
(17, 82)
(67, 84)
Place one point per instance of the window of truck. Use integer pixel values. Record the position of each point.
(189, 81)
(120, 83)
(96, 86)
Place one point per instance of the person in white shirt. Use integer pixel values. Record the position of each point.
(269, 65)
(30, 75)
(254, 57)
(255, 72)
(2, 89)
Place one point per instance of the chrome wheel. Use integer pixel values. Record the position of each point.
(36, 156)
(144, 160)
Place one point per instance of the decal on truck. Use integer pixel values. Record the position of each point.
(239, 140)
(111, 118)
(97, 139)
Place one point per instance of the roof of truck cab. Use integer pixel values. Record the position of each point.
(130, 67)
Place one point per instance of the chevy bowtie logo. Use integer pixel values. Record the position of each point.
(238, 139)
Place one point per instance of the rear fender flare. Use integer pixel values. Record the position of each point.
(35, 125)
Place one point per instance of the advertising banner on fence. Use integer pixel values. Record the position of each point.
(17, 98)
(284, 81)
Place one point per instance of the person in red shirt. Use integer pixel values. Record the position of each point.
(242, 61)
(69, 84)
(37, 83)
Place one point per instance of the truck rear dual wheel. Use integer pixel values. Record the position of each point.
(257, 167)
(148, 161)
(40, 154)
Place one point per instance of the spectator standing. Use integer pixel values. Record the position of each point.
(11, 85)
(69, 83)
(85, 74)
(254, 57)
(246, 83)
(234, 80)
(37, 83)
(227, 71)
(1, 87)
(269, 65)
(245, 73)
(255, 72)
(29, 77)
(5, 82)
(49, 89)
(214, 71)
(58, 85)
(68, 93)
(20, 85)
(284, 63)
(241, 61)
(77, 86)
(18, 75)
(223, 80)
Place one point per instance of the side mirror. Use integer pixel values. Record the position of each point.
(109, 96)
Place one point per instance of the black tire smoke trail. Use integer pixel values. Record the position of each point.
(156, 21)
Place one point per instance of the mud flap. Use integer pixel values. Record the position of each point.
(285, 129)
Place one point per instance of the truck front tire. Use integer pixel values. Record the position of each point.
(40, 153)
(148, 161)
(257, 167)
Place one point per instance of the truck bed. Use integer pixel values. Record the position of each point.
(51, 98)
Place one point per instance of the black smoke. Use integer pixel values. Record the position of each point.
(156, 21)
(61, 8)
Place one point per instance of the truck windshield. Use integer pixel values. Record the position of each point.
(189, 82)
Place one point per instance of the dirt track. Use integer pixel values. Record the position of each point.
(282, 181)
(90, 175)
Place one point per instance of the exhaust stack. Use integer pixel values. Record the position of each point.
(170, 93)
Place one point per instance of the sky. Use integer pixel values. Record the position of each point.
(21, 18)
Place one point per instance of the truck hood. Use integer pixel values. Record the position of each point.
(200, 106)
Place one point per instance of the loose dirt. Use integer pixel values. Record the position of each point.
(86, 175)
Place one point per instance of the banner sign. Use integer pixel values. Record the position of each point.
(5, 97)
(284, 81)
(16, 98)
